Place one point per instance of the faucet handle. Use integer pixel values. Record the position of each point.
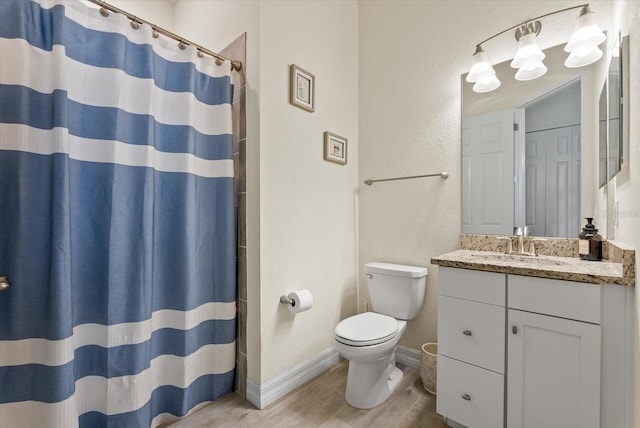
(532, 247)
(509, 248)
(517, 231)
(525, 231)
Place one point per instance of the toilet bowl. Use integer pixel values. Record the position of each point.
(369, 340)
(372, 374)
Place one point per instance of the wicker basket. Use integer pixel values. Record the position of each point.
(428, 366)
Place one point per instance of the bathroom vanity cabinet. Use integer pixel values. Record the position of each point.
(518, 351)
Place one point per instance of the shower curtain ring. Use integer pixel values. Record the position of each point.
(182, 45)
(155, 32)
(134, 23)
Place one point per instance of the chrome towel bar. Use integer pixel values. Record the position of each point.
(443, 174)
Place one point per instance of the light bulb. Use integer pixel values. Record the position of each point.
(586, 30)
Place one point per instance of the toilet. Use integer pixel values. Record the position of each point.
(369, 340)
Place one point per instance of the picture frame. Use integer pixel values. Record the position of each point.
(335, 148)
(302, 92)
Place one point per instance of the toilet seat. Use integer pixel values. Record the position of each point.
(366, 329)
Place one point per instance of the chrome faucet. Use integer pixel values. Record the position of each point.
(521, 232)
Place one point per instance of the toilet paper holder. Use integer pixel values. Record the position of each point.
(286, 299)
(298, 301)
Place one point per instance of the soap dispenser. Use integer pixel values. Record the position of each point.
(590, 242)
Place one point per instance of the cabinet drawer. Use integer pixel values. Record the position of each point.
(566, 299)
(470, 395)
(472, 332)
(486, 287)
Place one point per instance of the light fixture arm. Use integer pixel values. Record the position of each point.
(524, 23)
(528, 28)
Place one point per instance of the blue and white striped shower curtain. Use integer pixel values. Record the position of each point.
(116, 222)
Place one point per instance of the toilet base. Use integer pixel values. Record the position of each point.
(371, 383)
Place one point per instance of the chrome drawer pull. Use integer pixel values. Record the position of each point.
(467, 332)
(466, 397)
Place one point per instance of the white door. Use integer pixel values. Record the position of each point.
(552, 182)
(487, 173)
(553, 374)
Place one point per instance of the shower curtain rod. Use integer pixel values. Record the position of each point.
(183, 43)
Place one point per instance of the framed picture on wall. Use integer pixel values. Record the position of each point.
(303, 88)
(335, 148)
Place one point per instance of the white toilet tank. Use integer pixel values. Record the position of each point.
(396, 290)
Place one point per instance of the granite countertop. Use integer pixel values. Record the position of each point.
(476, 254)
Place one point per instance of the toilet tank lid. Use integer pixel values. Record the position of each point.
(395, 270)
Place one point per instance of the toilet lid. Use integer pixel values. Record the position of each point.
(366, 329)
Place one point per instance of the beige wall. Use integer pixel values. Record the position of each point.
(307, 218)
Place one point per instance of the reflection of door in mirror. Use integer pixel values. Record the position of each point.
(552, 163)
(487, 173)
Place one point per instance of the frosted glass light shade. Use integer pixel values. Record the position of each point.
(585, 30)
(528, 51)
(582, 57)
(480, 67)
(531, 70)
(487, 84)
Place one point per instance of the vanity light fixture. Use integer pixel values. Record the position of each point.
(482, 72)
(582, 48)
(529, 56)
(583, 45)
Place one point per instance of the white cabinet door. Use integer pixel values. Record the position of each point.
(553, 373)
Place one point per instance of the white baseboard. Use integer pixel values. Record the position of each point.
(408, 357)
(261, 395)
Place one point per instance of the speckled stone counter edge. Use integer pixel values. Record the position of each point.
(613, 251)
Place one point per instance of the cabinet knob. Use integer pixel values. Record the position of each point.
(514, 329)
(467, 333)
(4, 283)
(466, 397)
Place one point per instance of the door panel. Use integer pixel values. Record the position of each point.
(487, 173)
(553, 372)
(553, 182)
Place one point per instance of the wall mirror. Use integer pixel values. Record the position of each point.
(530, 151)
(614, 112)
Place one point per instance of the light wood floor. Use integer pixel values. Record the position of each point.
(320, 403)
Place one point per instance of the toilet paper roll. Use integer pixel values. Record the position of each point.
(302, 300)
